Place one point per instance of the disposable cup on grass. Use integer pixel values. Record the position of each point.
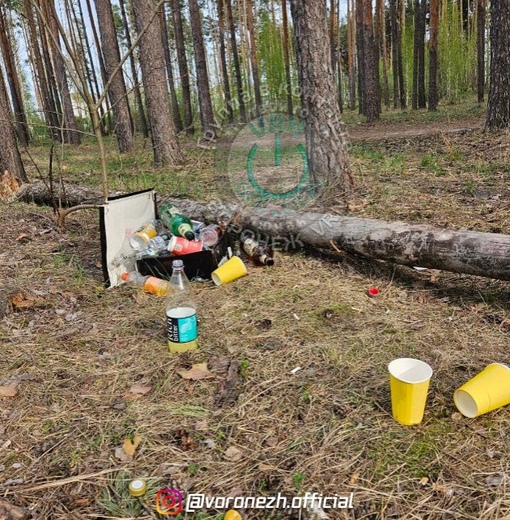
(409, 384)
(487, 391)
(231, 270)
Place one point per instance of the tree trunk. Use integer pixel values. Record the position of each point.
(224, 68)
(481, 16)
(419, 95)
(237, 65)
(498, 108)
(10, 158)
(368, 62)
(325, 139)
(164, 141)
(134, 73)
(433, 57)
(204, 91)
(422, 93)
(90, 70)
(401, 79)
(106, 119)
(183, 67)
(332, 37)
(286, 58)
(351, 53)
(117, 91)
(360, 54)
(169, 71)
(13, 79)
(380, 36)
(253, 58)
(41, 83)
(395, 49)
(69, 128)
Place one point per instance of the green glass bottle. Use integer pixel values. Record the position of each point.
(176, 222)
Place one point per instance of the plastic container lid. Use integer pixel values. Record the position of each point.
(137, 487)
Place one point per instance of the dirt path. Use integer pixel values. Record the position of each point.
(395, 130)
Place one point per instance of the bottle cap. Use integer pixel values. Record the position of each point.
(177, 264)
(124, 276)
(137, 487)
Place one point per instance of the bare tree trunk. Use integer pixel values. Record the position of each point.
(41, 82)
(286, 57)
(419, 100)
(106, 121)
(70, 130)
(235, 57)
(204, 91)
(498, 107)
(10, 158)
(170, 74)
(164, 141)
(351, 50)
(117, 90)
(433, 57)
(183, 67)
(339, 64)
(136, 86)
(20, 118)
(90, 71)
(253, 58)
(481, 14)
(224, 68)
(368, 69)
(380, 36)
(395, 49)
(325, 144)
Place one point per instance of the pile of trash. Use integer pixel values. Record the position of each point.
(208, 251)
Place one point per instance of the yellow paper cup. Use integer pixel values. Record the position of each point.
(231, 270)
(487, 391)
(409, 384)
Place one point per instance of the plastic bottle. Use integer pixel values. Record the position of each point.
(150, 284)
(209, 235)
(261, 254)
(158, 245)
(176, 222)
(181, 313)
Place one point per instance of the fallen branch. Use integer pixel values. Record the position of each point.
(62, 482)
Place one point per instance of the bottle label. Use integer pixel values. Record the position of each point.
(181, 324)
(249, 246)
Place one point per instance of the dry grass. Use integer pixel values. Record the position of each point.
(77, 349)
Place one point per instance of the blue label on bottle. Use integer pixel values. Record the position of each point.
(182, 324)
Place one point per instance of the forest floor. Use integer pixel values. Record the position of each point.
(298, 399)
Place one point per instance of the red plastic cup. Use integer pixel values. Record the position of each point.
(182, 246)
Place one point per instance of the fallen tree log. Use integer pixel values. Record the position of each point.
(460, 251)
(65, 195)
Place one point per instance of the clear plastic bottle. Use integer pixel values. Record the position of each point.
(181, 312)
(259, 253)
(158, 245)
(209, 235)
(176, 222)
(149, 284)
